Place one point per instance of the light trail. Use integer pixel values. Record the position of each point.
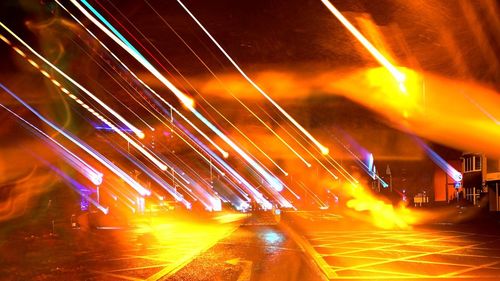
(341, 169)
(141, 149)
(204, 195)
(84, 147)
(195, 141)
(321, 203)
(151, 174)
(222, 151)
(273, 181)
(367, 168)
(324, 150)
(112, 16)
(225, 154)
(125, 194)
(220, 82)
(78, 188)
(187, 101)
(250, 140)
(300, 144)
(110, 53)
(198, 143)
(76, 162)
(138, 132)
(286, 144)
(481, 108)
(258, 197)
(438, 160)
(217, 161)
(115, 79)
(399, 76)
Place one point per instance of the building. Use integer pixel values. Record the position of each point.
(481, 179)
(492, 183)
(445, 189)
(473, 177)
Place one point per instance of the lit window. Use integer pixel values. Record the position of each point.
(468, 164)
(472, 164)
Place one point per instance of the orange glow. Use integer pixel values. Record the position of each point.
(22, 181)
(187, 101)
(455, 113)
(324, 150)
(176, 238)
(179, 229)
(399, 76)
(460, 114)
(363, 205)
(23, 192)
(382, 214)
(407, 103)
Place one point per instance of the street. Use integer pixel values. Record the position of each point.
(153, 248)
(253, 252)
(302, 246)
(249, 140)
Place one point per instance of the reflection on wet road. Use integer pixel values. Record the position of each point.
(253, 252)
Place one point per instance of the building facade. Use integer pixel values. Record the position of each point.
(481, 180)
(492, 183)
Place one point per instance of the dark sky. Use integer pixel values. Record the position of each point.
(286, 33)
(291, 35)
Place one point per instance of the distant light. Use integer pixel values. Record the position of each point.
(324, 150)
(272, 237)
(109, 129)
(97, 179)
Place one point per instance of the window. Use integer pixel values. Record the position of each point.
(472, 163)
(477, 163)
(493, 165)
(468, 164)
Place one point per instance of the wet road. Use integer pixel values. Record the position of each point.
(304, 246)
(225, 247)
(253, 252)
(149, 250)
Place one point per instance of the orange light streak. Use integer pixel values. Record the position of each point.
(324, 150)
(153, 159)
(399, 76)
(138, 132)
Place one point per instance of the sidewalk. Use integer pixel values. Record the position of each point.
(347, 249)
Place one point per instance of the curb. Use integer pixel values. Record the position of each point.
(308, 249)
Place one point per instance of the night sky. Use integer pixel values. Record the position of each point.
(299, 37)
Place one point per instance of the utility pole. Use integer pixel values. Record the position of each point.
(446, 186)
(388, 172)
(496, 196)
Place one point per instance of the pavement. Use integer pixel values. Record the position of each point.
(345, 249)
(155, 247)
(303, 246)
(259, 250)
